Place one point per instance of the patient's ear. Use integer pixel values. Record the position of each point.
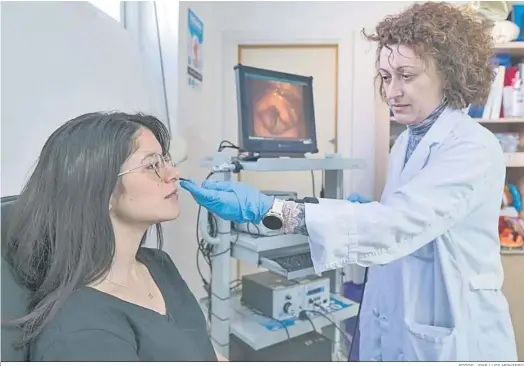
(111, 202)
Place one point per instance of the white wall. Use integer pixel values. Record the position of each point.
(111, 8)
(54, 70)
(198, 121)
(158, 55)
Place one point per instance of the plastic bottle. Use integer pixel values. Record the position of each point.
(518, 98)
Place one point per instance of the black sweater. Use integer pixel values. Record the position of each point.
(95, 326)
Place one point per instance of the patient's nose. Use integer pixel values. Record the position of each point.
(171, 173)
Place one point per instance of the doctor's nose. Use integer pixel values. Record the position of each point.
(393, 91)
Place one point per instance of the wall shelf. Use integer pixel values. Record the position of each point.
(514, 160)
(260, 332)
(504, 251)
(501, 120)
(513, 48)
(496, 120)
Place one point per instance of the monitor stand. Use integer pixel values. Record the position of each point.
(250, 156)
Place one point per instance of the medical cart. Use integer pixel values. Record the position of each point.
(227, 314)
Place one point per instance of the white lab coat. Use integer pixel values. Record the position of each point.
(434, 286)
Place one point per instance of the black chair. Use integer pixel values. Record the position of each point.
(15, 298)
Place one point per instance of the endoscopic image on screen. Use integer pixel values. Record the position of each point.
(278, 109)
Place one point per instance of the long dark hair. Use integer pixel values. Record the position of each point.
(60, 236)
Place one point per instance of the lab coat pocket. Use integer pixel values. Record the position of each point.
(430, 343)
(370, 337)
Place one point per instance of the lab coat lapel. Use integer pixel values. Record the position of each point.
(434, 137)
(396, 164)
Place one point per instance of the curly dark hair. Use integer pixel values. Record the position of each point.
(455, 38)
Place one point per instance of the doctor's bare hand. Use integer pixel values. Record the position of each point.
(230, 200)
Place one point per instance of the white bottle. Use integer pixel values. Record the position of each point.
(517, 102)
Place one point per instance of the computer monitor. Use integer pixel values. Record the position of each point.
(276, 112)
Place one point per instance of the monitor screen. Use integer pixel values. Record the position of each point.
(276, 113)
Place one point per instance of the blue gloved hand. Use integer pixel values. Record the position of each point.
(230, 200)
(355, 197)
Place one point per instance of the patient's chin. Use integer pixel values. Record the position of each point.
(171, 214)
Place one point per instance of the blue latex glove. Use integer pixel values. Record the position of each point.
(355, 197)
(230, 200)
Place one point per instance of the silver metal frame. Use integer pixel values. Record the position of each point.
(333, 167)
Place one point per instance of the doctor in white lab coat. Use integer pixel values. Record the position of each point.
(431, 244)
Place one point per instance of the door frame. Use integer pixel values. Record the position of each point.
(233, 40)
(333, 46)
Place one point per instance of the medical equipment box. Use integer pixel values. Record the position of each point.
(279, 298)
(309, 347)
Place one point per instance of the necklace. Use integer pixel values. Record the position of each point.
(150, 295)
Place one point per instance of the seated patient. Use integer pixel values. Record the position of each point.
(75, 240)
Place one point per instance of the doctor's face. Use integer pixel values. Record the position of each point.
(412, 86)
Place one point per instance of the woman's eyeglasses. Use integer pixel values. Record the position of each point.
(158, 163)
